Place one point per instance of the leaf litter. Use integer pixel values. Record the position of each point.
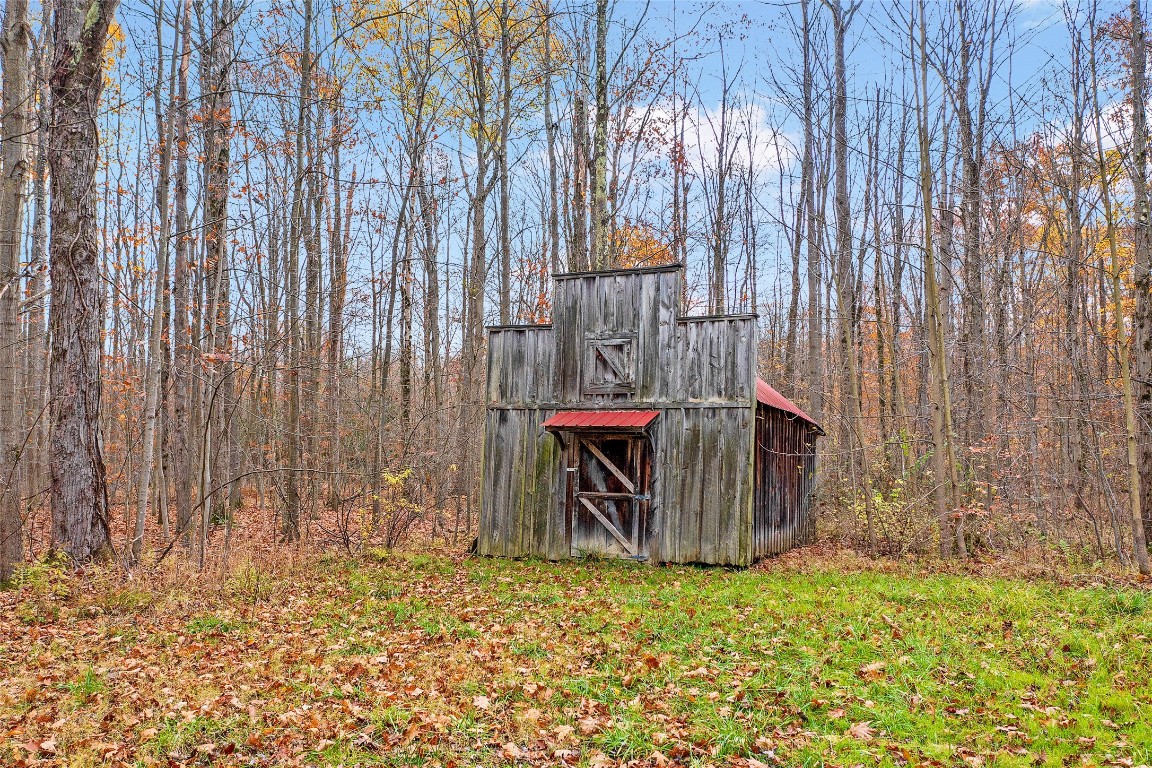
(443, 661)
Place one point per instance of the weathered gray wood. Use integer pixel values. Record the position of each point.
(608, 525)
(785, 468)
(729, 481)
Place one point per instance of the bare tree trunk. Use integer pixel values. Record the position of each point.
(477, 269)
(183, 430)
(898, 265)
(1142, 322)
(14, 128)
(791, 364)
(679, 237)
(973, 343)
(290, 523)
(312, 217)
(717, 200)
(79, 491)
(600, 214)
(553, 165)
(1131, 428)
(502, 160)
(36, 343)
(581, 165)
(428, 249)
(843, 278)
(216, 90)
(1076, 482)
(152, 376)
(815, 256)
(406, 323)
(338, 277)
(943, 461)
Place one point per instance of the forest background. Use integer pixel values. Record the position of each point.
(248, 251)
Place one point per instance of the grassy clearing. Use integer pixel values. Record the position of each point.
(421, 660)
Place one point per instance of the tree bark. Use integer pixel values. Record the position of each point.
(944, 464)
(1131, 428)
(152, 376)
(550, 139)
(502, 160)
(290, 520)
(814, 251)
(1142, 321)
(36, 326)
(600, 214)
(216, 90)
(79, 491)
(14, 130)
(183, 429)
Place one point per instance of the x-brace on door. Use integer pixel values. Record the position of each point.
(608, 501)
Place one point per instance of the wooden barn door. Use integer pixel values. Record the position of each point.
(608, 495)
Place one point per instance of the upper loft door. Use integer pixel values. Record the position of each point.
(609, 366)
(608, 500)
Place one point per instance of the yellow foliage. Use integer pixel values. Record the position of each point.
(640, 246)
(113, 51)
(439, 55)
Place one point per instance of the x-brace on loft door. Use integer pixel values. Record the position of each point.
(608, 495)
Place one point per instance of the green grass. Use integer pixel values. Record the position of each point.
(421, 660)
(211, 625)
(85, 687)
(942, 668)
(199, 740)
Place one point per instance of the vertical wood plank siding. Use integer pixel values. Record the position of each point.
(784, 475)
(715, 496)
(520, 460)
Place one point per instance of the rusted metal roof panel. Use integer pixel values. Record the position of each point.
(602, 419)
(768, 396)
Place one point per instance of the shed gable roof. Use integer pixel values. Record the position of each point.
(768, 396)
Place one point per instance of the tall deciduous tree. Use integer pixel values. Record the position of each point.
(183, 403)
(79, 490)
(15, 136)
(944, 463)
(600, 213)
(216, 88)
(1142, 238)
(152, 376)
(290, 521)
(1131, 429)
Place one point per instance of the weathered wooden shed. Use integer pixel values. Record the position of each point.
(626, 429)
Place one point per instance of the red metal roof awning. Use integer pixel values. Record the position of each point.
(601, 420)
(768, 396)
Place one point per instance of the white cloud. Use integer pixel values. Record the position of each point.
(751, 135)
